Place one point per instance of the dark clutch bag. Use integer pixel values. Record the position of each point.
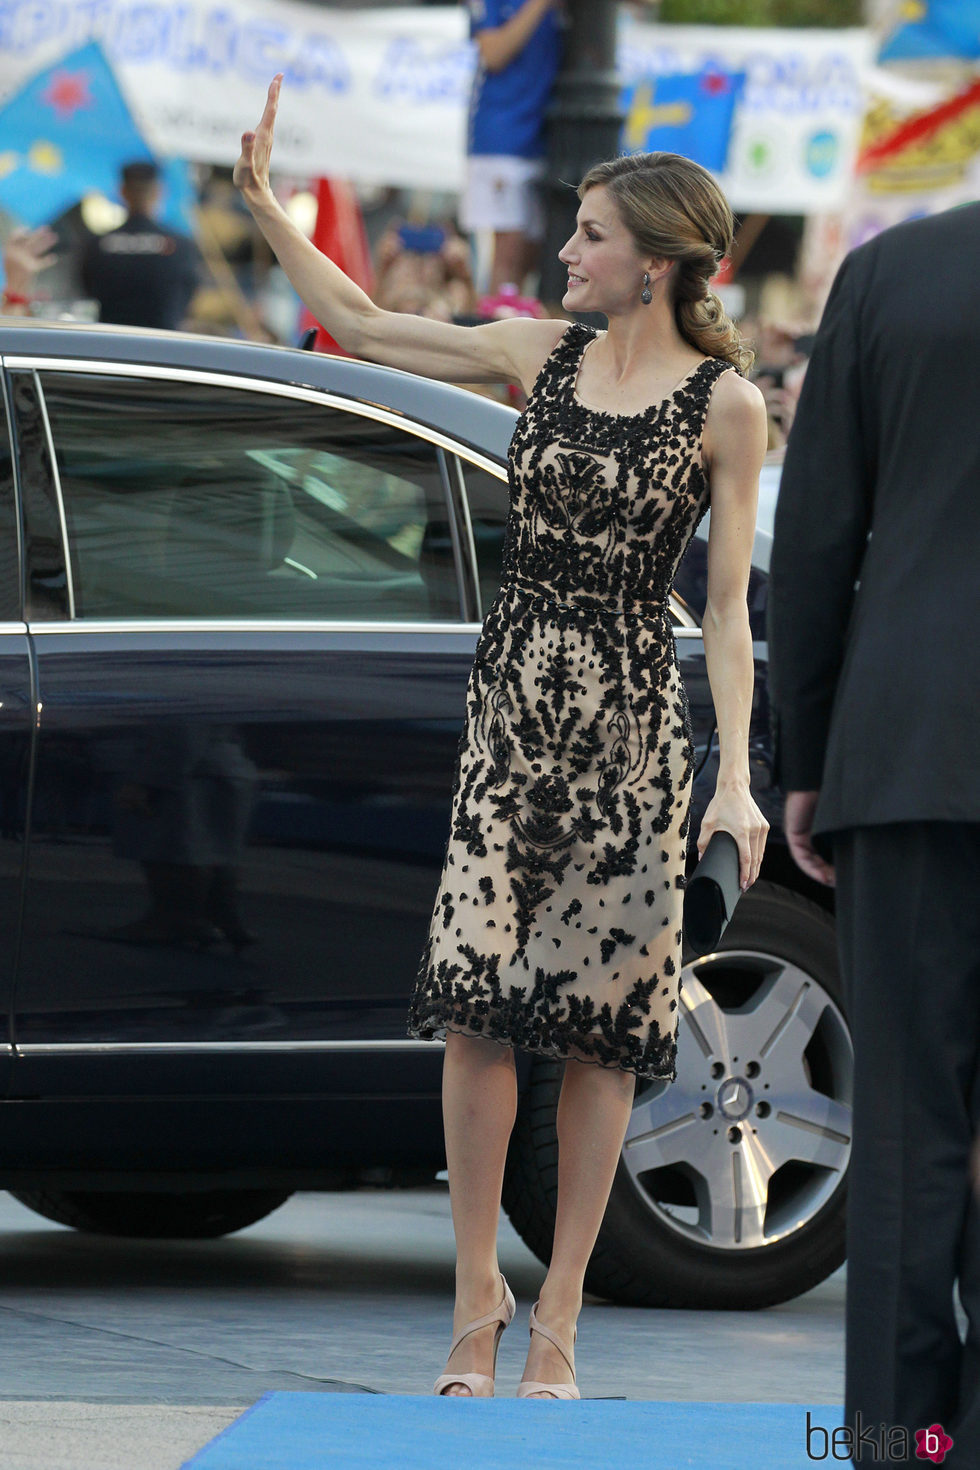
(711, 894)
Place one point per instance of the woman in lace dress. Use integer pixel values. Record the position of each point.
(557, 925)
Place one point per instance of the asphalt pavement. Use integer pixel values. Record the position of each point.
(120, 1354)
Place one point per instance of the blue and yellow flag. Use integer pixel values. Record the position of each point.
(68, 131)
(933, 28)
(689, 113)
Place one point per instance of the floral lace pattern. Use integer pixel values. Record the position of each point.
(557, 927)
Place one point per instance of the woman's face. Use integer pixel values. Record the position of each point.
(605, 268)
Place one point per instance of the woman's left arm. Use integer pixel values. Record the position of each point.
(734, 444)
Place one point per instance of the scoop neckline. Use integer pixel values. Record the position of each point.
(610, 413)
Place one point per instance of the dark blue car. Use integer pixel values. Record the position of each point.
(242, 587)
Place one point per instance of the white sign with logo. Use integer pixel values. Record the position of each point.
(796, 127)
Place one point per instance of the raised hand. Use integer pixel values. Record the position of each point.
(252, 169)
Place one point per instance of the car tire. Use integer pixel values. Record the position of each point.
(148, 1215)
(646, 1255)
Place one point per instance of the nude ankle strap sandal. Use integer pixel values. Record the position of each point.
(559, 1390)
(480, 1385)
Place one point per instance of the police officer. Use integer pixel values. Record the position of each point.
(142, 274)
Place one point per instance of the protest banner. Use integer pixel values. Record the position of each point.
(380, 96)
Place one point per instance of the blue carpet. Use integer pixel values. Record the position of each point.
(308, 1431)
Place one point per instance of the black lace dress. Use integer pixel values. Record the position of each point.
(557, 926)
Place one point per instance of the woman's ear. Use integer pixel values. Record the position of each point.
(659, 267)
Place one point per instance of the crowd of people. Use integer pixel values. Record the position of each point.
(142, 274)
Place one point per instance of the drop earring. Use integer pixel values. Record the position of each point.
(646, 295)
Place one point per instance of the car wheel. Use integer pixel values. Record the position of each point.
(730, 1190)
(149, 1215)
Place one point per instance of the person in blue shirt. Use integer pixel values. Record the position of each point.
(519, 44)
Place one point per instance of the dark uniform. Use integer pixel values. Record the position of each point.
(142, 274)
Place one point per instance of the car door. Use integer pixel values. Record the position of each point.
(16, 724)
(251, 666)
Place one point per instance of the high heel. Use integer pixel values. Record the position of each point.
(480, 1385)
(559, 1390)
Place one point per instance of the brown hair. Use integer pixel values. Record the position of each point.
(673, 208)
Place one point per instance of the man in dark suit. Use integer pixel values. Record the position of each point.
(141, 274)
(875, 686)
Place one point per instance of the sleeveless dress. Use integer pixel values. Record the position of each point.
(557, 925)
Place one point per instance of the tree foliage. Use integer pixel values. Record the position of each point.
(762, 12)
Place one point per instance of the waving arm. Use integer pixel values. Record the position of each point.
(507, 351)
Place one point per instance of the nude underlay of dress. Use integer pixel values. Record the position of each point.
(557, 925)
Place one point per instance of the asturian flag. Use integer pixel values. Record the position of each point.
(933, 28)
(66, 133)
(689, 113)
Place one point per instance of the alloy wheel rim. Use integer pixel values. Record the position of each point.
(752, 1139)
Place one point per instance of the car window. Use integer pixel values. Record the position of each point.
(487, 498)
(197, 500)
(47, 591)
(10, 591)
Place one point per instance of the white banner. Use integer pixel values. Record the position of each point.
(380, 96)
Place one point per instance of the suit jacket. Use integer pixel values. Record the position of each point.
(874, 596)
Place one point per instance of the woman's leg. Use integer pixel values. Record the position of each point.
(479, 1104)
(593, 1112)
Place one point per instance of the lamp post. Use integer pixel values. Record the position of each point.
(584, 125)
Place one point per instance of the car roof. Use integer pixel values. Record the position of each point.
(474, 420)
